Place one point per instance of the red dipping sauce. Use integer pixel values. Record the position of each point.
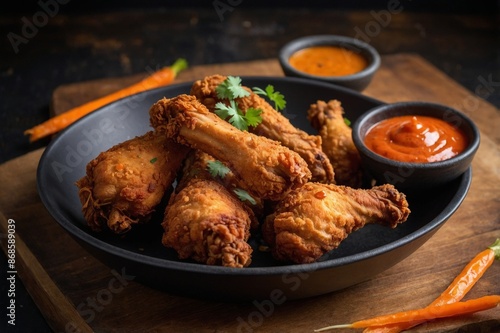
(415, 139)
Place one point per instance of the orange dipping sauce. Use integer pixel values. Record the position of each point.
(415, 139)
(328, 61)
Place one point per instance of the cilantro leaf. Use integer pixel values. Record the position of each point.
(252, 117)
(233, 115)
(223, 90)
(223, 111)
(274, 96)
(239, 122)
(217, 169)
(231, 88)
(244, 196)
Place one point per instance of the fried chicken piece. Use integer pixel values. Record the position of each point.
(274, 126)
(205, 222)
(197, 164)
(315, 218)
(328, 119)
(123, 185)
(267, 169)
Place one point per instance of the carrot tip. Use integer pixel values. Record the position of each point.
(31, 135)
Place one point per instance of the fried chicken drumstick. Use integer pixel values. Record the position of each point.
(268, 169)
(204, 221)
(123, 185)
(328, 119)
(197, 165)
(274, 126)
(315, 218)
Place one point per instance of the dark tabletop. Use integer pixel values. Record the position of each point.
(49, 43)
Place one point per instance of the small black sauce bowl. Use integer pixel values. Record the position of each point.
(414, 176)
(357, 81)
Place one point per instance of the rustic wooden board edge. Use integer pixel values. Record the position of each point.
(69, 303)
(59, 312)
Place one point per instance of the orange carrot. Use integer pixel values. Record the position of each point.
(428, 313)
(463, 282)
(164, 76)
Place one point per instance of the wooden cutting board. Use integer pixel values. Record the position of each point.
(75, 292)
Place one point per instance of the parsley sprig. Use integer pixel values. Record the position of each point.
(274, 96)
(244, 196)
(236, 118)
(217, 169)
(231, 89)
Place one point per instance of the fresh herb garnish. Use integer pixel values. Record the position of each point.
(236, 118)
(217, 169)
(244, 196)
(274, 96)
(231, 89)
(252, 117)
(347, 121)
(153, 160)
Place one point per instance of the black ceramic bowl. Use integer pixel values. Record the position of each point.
(407, 175)
(357, 81)
(364, 254)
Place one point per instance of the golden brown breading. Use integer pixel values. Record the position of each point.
(328, 119)
(196, 165)
(123, 185)
(315, 218)
(268, 169)
(206, 223)
(274, 126)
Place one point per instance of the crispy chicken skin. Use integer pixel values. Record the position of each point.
(123, 185)
(315, 218)
(196, 165)
(205, 222)
(328, 119)
(274, 126)
(268, 169)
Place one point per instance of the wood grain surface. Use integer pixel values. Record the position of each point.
(75, 292)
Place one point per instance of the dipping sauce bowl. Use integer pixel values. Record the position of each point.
(340, 60)
(426, 145)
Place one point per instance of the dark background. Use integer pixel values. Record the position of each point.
(87, 40)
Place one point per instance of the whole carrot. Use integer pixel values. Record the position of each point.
(460, 286)
(424, 314)
(164, 76)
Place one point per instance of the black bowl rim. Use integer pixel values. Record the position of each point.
(188, 267)
(471, 149)
(316, 40)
